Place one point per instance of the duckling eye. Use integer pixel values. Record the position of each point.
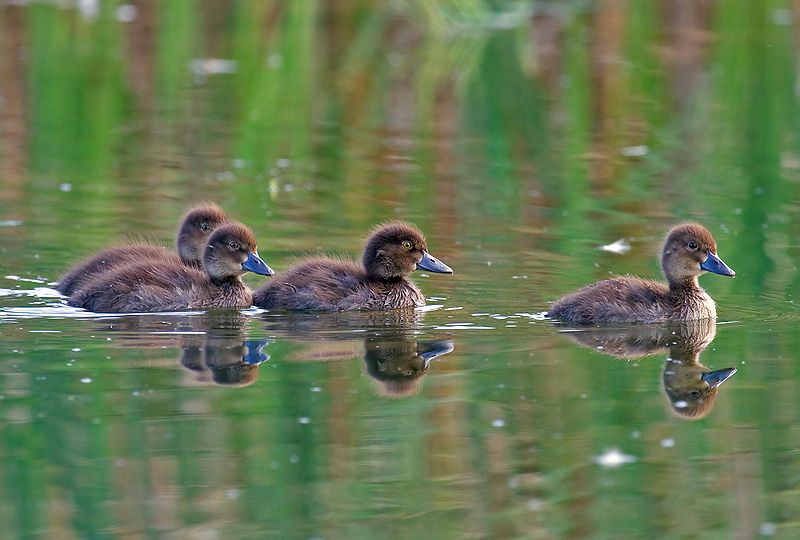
(692, 245)
(205, 227)
(694, 394)
(406, 245)
(233, 245)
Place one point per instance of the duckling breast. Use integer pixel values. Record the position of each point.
(231, 294)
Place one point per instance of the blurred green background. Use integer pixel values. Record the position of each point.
(521, 137)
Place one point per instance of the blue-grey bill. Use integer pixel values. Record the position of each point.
(432, 264)
(429, 350)
(716, 378)
(715, 265)
(254, 354)
(256, 265)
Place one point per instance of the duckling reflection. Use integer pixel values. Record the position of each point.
(690, 386)
(398, 365)
(387, 341)
(214, 345)
(224, 360)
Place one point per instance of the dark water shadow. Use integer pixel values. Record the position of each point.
(341, 324)
(690, 387)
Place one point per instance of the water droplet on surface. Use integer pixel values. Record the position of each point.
(613, 458)
(767, 529)
(618, 247)
(640, 150)
(126, 13)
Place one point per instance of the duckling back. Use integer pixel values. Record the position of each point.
(143, 286)
(108, 260)
(195, 228)
(331, 285)
(619, 300)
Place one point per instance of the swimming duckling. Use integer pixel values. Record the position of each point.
(689, 250)
(392, 253)
(196, 226)
(165, 285)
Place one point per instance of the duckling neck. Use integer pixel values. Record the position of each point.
(226, 282)
(690, 301)
(685, 288)
(382, 277)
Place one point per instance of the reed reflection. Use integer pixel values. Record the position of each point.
(690, 386)
(214, 345)
(388, 342)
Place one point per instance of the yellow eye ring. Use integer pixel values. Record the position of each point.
(406, 245)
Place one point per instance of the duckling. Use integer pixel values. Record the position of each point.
(689, 250)
(165, 285)
(196, 226)
(392, 253)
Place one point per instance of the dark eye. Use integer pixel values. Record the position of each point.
(205, 227)
(694, 394)
(406, 245)
(692, 245)
(233, 245)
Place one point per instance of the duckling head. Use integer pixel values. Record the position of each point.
(395, 250)
(231, 251)
(690, 250)
(196, 227)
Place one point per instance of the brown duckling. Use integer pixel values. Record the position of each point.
(392, 253)
(165, 285)
(196, 226)
(689, 250)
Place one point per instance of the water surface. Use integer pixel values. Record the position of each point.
(521, 140)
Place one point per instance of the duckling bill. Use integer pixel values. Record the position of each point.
(689, 251)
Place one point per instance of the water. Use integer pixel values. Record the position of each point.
(524, 143)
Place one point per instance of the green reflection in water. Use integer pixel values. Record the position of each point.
(520, 141)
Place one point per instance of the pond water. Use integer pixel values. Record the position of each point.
(522, 138)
